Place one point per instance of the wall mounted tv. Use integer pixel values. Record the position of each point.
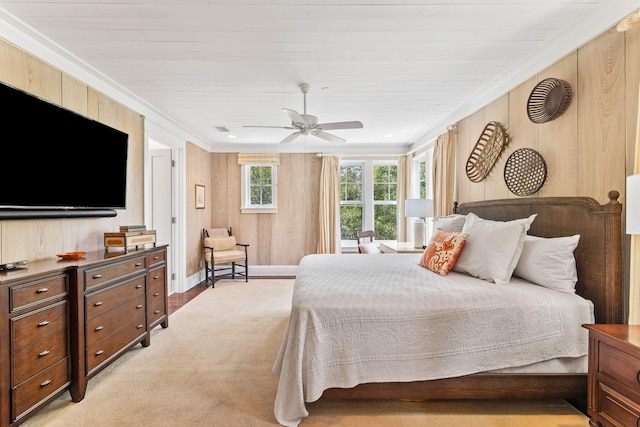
(57, 163)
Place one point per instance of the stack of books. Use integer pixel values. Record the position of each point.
(130, 228)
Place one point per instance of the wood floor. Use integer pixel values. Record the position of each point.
(178, 299)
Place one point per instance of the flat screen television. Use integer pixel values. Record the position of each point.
(57, 163)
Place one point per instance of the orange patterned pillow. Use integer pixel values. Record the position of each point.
(443, 251)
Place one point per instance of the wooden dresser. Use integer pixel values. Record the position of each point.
(614, 375)
(62, 321)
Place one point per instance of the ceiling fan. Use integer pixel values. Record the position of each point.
(306, 124)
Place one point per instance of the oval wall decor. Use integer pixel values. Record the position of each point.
(525, 172)
(486, 151)
(548, 100)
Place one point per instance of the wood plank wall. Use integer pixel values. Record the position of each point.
(587, 149)
(40, 239)
(275, 239)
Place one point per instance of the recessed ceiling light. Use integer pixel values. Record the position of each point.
(388, 135)
(231, 136)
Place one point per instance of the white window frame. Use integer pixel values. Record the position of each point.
(367, 190)
(246, 206)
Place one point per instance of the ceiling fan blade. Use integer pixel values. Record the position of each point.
(328, 137)
(295, 117)
(273, 127)
(290, 138)
(340, 125)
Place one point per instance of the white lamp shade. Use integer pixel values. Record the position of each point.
(633, 204)
(419, 208)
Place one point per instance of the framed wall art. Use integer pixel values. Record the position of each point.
(199, 196)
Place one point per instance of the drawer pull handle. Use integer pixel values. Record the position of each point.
(139, 327)
(99, 328)
(138, 286)
(97, 276)
(99, 352)
(156, 294)
(44, 353)
(156, 312)
(43, 290)
(156, 257)
(138, 264)
(139, 306)
(45, 383)
(156, 277)
(98, 304)
(43, 323)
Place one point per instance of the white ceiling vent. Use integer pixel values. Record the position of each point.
(222, 129)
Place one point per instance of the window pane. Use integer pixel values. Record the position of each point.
(350, 221)
(385, 222)
(384, 182)
(261, 185)
(423, 180)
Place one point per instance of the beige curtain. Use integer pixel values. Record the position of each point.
(444, 173)
(329, 207)
(634, 269)
(403, 192)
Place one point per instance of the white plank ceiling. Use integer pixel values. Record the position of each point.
(405, 69)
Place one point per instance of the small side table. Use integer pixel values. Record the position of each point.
(613, 393)
(395, 247)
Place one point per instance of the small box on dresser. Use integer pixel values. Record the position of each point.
(614, 375)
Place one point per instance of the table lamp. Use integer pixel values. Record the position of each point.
(419, 209)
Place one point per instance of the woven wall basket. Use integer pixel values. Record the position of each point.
(548, 100)
(525, 172)
(486, 151)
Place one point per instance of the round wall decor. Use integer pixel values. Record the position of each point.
(525, 172)
(486, 151)
(548, 100)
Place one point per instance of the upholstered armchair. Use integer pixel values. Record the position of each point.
(222, 254)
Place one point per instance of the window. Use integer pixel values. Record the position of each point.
(351, 200)
(368, 191)
(259, 188)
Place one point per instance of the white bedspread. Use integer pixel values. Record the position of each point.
(379, 318)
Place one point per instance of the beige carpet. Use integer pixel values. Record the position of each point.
(212, 367)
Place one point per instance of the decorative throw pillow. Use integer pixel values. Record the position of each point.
(369, 248)
(453, 222)
(443, 251)
(549, 262)
(220, 243)
(492, 248)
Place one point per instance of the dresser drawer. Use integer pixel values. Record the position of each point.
(156, 312)
(35, 326)
(104, 349)
(34, 292)
(107, 299)
(156, 258)
(156, 283)
(98, 275)
(110, 322)
(40, 387)
(38, 356)
(621, 366)
(616, 408)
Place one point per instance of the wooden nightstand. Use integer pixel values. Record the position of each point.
(614, 375)
(395, 247)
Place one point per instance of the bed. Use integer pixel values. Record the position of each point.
(367, 327)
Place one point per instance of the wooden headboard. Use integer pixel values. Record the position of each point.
(599, 252)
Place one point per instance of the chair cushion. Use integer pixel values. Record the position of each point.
(218, 232)
(221, 243)
(225, 257)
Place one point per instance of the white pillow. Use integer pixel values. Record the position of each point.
(549, 262)
(493, 248)
(369, 248)
(453, 222)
